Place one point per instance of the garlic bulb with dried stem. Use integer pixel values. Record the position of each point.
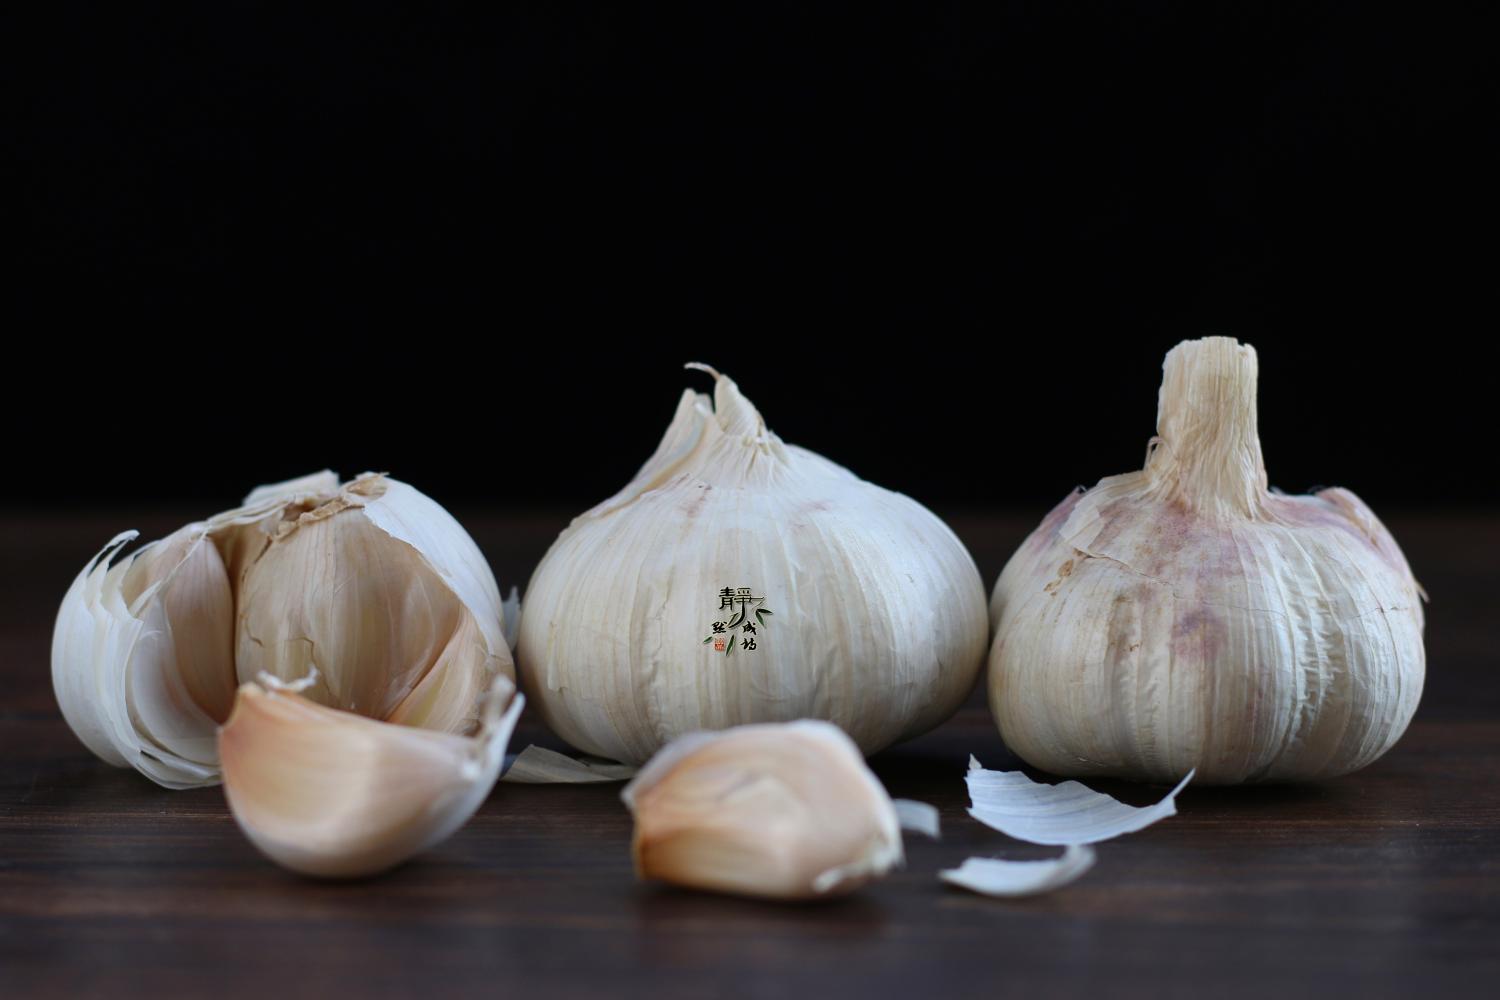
(738, 579)
(780, 811)
(369, 592)
(1186, 616)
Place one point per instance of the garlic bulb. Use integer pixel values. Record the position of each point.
(1186, 616)
(369, 591)
(783, 811)
(738, 579)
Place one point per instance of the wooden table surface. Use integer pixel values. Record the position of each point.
(1384, 883)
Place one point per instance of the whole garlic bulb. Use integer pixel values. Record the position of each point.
(738, 579)
(1186, 616)
(318, 642)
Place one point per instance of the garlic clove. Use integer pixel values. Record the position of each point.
(407, 515)
(333, 794)
(446, 698)
(782, 811)
(180, 670)
(196, 615)
(402, 600)
(334, 592)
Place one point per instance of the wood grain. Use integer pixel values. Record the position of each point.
(1384, 883)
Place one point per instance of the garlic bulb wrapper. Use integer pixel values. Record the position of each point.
(1186, 616)
(738, 579)
(371, 583)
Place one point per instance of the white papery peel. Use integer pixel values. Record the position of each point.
(997, 877)
(539, 766)
(1069, 813)
(918, 817)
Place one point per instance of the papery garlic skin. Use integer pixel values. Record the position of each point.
(337, 795)
(370, 582)
(876, 614)
(777, 811)
(1186, 616)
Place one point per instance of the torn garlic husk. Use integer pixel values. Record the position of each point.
(338, 795)
(1064, 814)
(779, 810)
(738, 579)
(1187, 616)
(918, 817)
(1000, 877)
(539, 766)
(369, 587)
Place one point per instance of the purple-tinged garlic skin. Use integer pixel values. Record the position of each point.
(1186, 616)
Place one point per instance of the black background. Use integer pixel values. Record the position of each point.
(945, 245)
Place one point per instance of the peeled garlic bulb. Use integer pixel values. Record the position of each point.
(1186, 616)
(335, 794)
(370, 588)
(738, 579)
(783, 811)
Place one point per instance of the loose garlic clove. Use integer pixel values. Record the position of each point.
(783, 811)
(1187, 616)
(333, 794)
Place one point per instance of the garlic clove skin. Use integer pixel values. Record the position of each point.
(180, 672)
(192, 613)
(337, 795)
(80, 642)
(125, 681)
(1187, 616)
(875, 620)
(778, 811)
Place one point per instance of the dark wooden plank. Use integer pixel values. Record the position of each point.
(1384, 882)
